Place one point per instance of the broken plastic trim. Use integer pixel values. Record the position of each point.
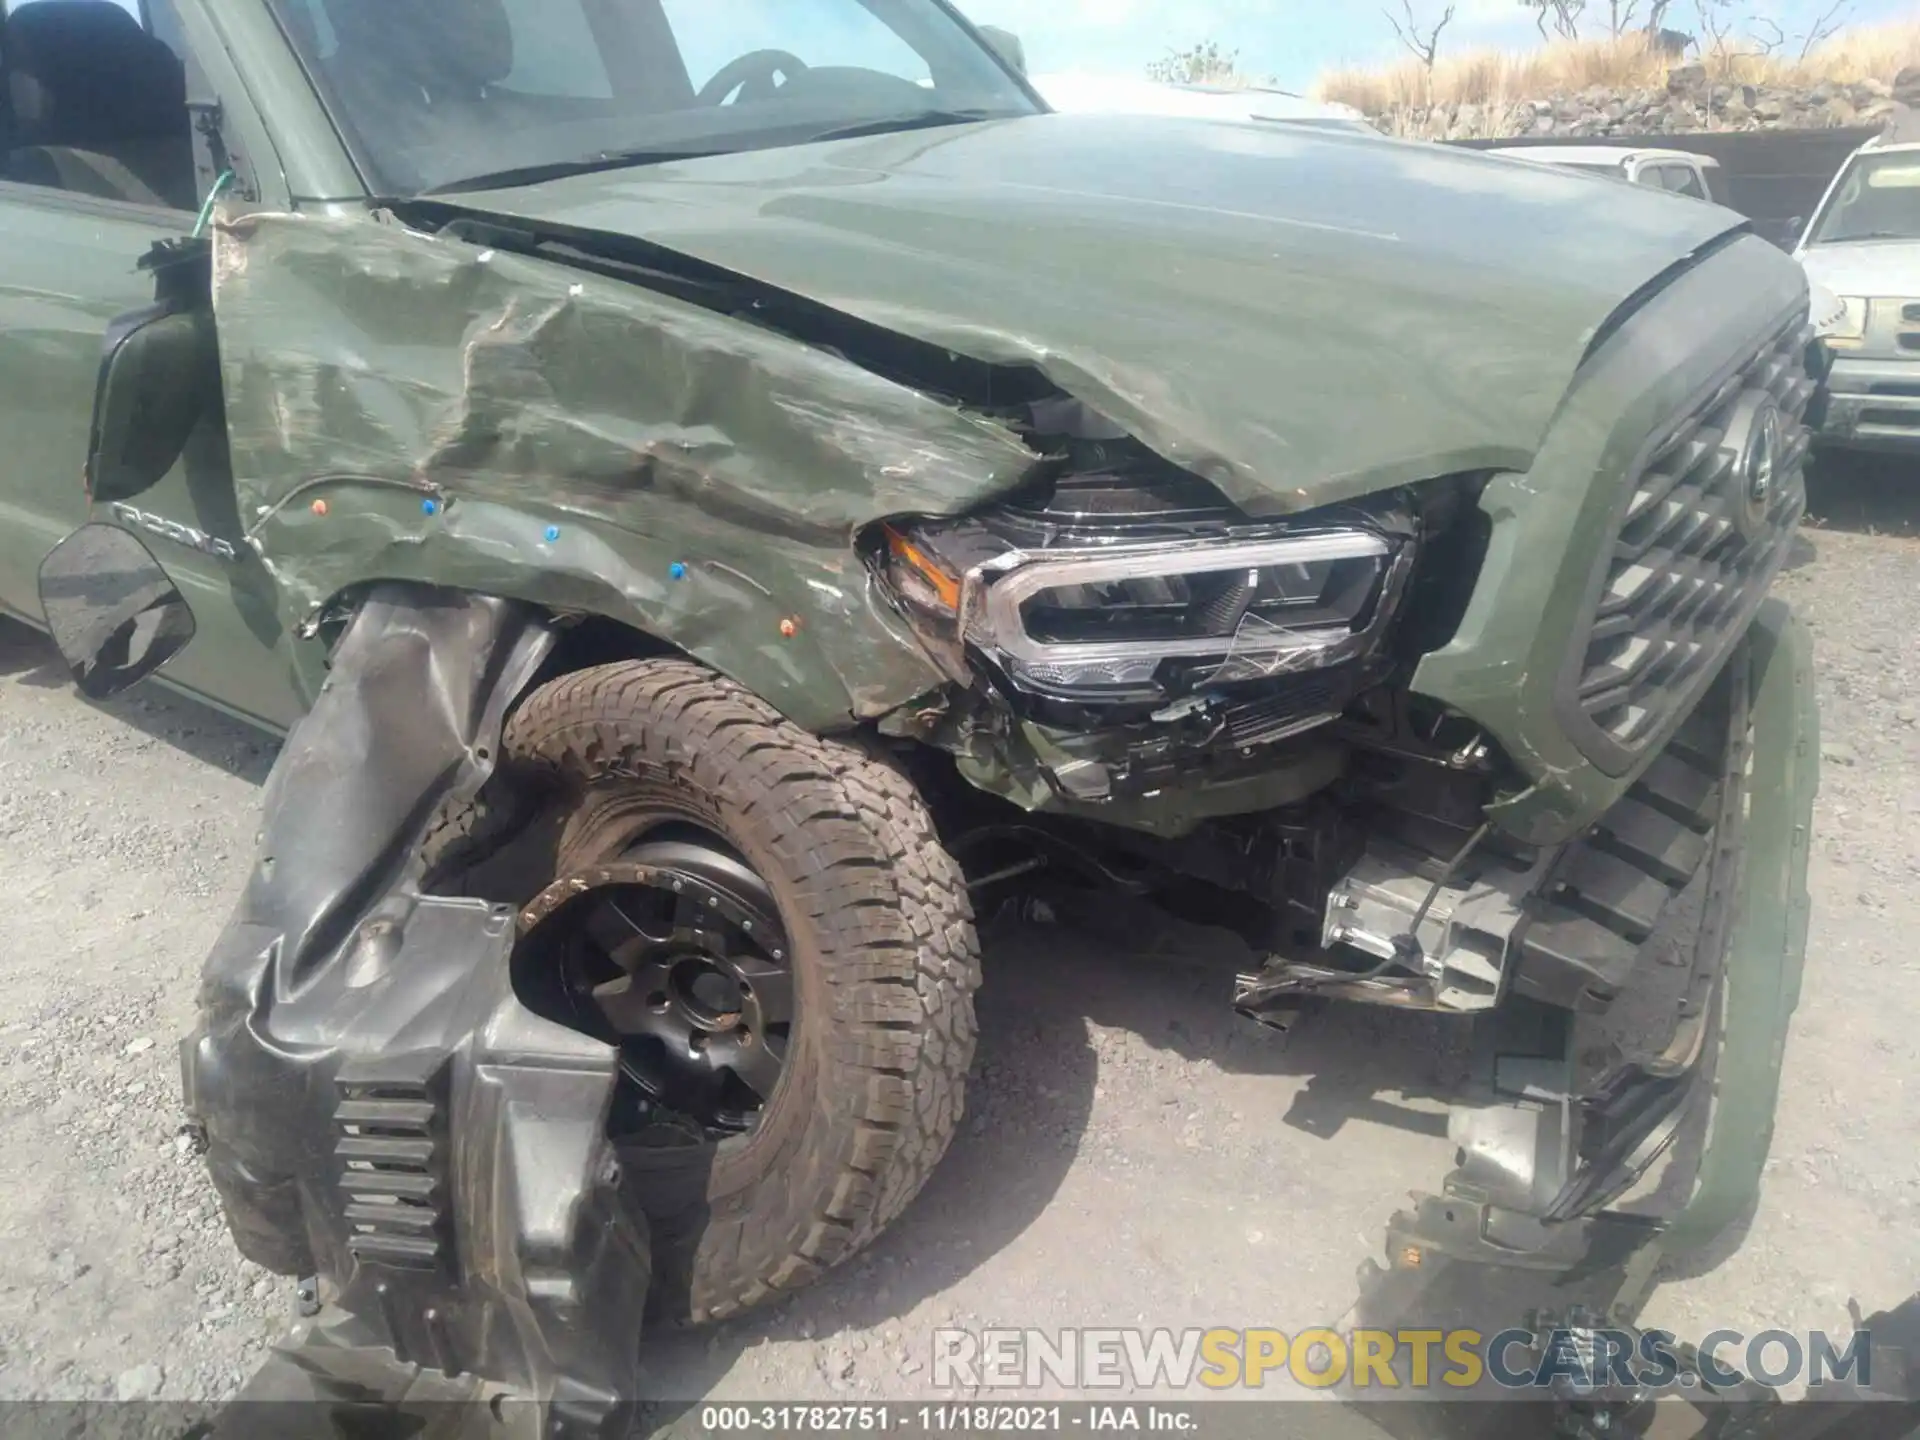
(1482, 1253)
(379, 1108)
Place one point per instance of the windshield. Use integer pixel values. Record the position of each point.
(1878, 198)
(440, 94)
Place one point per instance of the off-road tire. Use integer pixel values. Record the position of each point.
(884, 955)
(463, 833)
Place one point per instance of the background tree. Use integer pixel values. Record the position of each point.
(1425, 47)
(1563, 16)
(1202, 64)
(1730, 32)
(1625, 16)
(1826, 27)
(1716, 22)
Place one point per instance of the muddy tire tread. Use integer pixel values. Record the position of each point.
(873, 876)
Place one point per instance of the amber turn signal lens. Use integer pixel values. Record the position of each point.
(944, 585)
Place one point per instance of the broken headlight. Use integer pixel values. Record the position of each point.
(1145, 620)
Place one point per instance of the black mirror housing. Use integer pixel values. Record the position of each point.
(159, 377)
(111, 610)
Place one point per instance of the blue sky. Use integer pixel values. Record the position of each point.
(1294, 40)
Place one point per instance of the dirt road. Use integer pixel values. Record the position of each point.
(1132, 1153)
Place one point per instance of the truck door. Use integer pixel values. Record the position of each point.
(102, 154)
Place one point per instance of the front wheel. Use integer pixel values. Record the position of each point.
(765, 924)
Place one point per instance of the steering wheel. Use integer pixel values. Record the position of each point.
(752, 75)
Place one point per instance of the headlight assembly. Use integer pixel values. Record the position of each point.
(1114, 621)
(1258, 608)
(1844, 319)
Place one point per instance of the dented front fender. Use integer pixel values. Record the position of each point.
(404, 406)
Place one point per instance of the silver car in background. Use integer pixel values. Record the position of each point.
(1863, 245)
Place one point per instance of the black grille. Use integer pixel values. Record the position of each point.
(390, 1146)
(1293, 708)
(1694, 555)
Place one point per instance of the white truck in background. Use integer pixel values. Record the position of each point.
(1680, 171)
(1863, 246)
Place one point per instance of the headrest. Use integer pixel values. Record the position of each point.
(446, 45)
(83, 72)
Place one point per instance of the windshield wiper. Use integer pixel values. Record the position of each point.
(561, 169)
(912, 120)
(1869, 235)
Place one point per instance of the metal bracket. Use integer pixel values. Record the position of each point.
(1466, 935)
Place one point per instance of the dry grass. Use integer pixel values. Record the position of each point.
(1498, 79)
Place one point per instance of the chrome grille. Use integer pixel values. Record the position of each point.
(1694, 556)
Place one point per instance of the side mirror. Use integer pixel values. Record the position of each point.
(1006, 45)
(111, 609)
(159, 377)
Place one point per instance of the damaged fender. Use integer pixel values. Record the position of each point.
(375, 1105)
(404, 406)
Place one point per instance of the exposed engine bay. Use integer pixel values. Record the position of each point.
(1137, 629)
(1212, 712)
(1213, 709)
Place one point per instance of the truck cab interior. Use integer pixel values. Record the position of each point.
(94, 103)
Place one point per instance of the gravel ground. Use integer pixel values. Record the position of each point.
(1132, 1153)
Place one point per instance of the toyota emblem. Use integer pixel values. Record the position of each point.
(1760, 466)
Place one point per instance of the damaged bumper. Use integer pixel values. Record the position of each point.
(1568, 1191)
(378, 1109)
(1872, 404)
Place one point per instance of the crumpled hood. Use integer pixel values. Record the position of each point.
(1300, 317)
(1871, 269)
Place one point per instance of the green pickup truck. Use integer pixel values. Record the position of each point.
(716, 496)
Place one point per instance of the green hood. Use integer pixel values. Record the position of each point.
(1299, 316)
